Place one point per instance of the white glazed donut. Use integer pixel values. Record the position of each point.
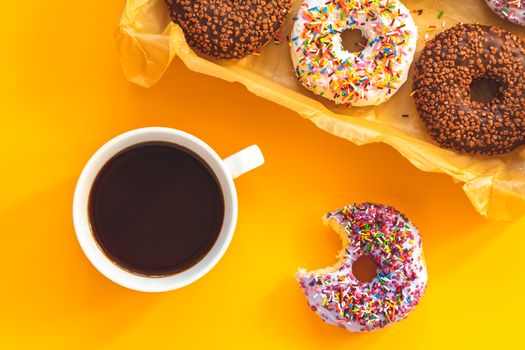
(391, 241)
(371, 77)
(512, 10)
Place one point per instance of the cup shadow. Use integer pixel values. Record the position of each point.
(61, 287)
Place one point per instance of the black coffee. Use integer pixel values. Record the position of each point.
(156, 209)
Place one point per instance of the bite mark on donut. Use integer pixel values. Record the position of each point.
(340, 256)
(394, 244)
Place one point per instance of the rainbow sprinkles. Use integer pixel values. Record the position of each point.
(394, 244)
(511, 10)
(369, 77)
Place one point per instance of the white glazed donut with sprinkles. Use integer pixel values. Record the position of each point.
(511, 10)
(393, 243)
(370, 77)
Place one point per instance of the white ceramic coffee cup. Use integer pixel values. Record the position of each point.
(225, 170)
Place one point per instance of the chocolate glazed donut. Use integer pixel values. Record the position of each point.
(225, 29)
(448, 67)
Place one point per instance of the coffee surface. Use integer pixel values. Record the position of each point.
(156, 209)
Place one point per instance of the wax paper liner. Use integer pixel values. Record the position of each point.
(147, 41)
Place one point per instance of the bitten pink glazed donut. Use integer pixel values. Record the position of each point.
(512, 10)
(365, 78)
(390, 240)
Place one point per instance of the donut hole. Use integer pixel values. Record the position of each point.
(353, 40)
(364, 269)
(484, 90)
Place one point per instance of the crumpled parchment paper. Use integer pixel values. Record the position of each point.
(148, 41)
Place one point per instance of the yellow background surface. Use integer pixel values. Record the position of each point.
(62, 95)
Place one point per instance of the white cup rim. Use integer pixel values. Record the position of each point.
(112, 270)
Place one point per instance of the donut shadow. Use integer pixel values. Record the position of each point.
(287, 315)
(289, 318)
(453, 233)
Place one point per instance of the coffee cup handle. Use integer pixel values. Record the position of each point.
(244, 161)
